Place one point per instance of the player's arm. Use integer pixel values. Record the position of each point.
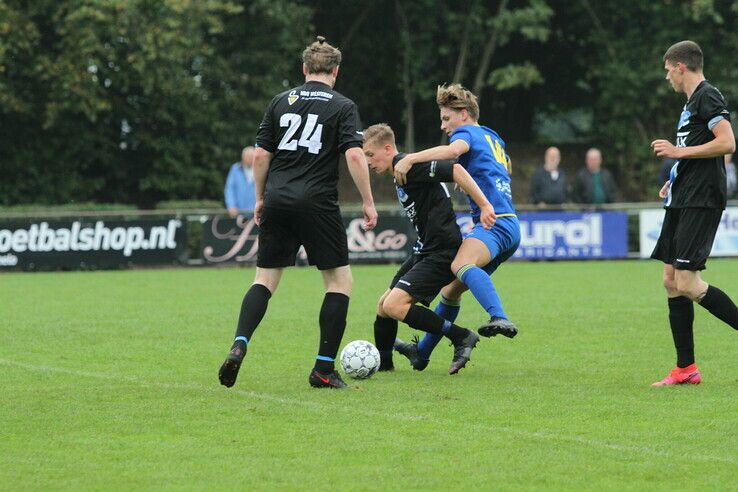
(266, 143)
(723, 143)
(350, 138)
(451, 151)
(470, 187)
(446, 171)
(359, 170)
(262, 159)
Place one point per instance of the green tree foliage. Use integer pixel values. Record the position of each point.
(618, 60)
(135, 101)
(141, 101)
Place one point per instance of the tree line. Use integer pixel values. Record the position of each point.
(139, 101)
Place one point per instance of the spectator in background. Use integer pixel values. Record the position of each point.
(548, 185)
(594, 185)
(239, 192)
(665, 171)
(731, 177)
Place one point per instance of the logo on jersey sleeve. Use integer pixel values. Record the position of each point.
(292, 97)
(401, 194)
(684, 118)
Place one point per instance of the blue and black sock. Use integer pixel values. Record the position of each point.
(681, 319)
(481, 286)
(447, 310)
(332, 325)
(721, 306)
(423, 319)
(253, 308)
(385, 332)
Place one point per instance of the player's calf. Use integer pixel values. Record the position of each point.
(385, 331)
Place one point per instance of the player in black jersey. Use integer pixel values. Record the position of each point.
(694, 198)
(296, 172)
(428, 269)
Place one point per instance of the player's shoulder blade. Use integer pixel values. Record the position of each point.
(493, 134)
(707, 90)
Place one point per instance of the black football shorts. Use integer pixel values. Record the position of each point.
(423, 276)
(686, 237)
(282, 232)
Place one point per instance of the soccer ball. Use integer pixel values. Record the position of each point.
(359, 359)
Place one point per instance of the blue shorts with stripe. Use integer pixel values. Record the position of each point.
(502, 240)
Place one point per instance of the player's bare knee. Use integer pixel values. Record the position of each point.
(671, 286)
(381, 312)
(269, 278)
(390, 309)
(395, 307)
(380, 305)
(457, 264)
(338, 280)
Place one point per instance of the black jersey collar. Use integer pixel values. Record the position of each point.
(697, 89)
(317, 82)
(397, 158)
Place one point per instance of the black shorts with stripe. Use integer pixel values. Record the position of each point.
(282, 232)
(423, 276)
(686, 237)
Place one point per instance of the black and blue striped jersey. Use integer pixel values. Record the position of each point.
(699, 183)
(427, 204)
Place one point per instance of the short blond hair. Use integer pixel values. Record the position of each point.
(456, 96)
(381, 134)
(321, 57)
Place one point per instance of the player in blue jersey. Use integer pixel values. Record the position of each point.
(482, 153)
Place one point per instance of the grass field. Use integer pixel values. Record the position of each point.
(108, 381)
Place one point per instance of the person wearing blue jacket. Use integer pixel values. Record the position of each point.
(239, 192)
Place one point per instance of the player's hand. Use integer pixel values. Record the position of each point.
(665, 189)
(664, 148)
(488, 217)
(258, 208)
(232, 211)
(370, 217)
(401, 169)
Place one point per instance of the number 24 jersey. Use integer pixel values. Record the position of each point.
(306, 129)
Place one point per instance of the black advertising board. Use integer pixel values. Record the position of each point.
(236, 240)
(93, 243)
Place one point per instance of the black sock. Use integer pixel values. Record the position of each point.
(721, 306)
(423, 319)
(332, 325)
(253, 307)
(681, 319)
(385, 332)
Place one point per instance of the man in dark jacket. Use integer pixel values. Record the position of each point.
(548, 185)
(594, 185)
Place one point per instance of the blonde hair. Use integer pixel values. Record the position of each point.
(455, 96)
(381, 134)
(321, 57)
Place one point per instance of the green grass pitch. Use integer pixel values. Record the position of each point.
(109, 381)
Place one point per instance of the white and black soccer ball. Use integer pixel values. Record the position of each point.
(359, 359)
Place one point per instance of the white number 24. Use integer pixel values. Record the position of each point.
(310, 136)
